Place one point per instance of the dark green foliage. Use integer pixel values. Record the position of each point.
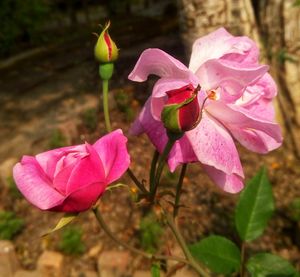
(294, 209)
(150, 233)
(218, 253)
(123, 103)
(10, 225)
(255, 207)
(12, 187)
(265, 264)
(21, 20)
(169, 179)
(171, 176)
(57, 139)
(155, 270)
(283, 56)
(90, 119)
(296, 3)
(71, 241)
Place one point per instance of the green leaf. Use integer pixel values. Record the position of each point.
(66, 219)
(255, 207)
(217, 253)
(265, 264)
(155, 270)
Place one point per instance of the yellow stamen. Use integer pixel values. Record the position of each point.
(212, 95)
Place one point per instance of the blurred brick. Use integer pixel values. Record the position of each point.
(87, 273)
(8, 259)
(27, 273)
(6, 169)
(175, 251)
(50, 264)
(113, 263)
(185, 272)
(95, 250)
(142, 273)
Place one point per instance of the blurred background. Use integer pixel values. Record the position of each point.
(50, 97)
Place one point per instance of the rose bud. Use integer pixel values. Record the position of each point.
(181, 113)
(106, 50)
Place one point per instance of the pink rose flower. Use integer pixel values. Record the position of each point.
(71, 179)
(239, 94)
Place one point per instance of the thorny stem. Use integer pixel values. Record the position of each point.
(106, 229)
(160, 167)
(105, 105)
(140, 186)
(184, 247)
(153, 169)
(178, 190)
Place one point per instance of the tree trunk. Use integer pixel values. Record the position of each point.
(275, 26)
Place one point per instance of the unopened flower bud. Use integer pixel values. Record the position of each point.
(106, 50)
(181, 113)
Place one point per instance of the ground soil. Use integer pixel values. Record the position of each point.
(52, 91)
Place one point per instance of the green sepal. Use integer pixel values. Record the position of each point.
(106, 70)
(170, 118)
(170, 115)
(65, 220)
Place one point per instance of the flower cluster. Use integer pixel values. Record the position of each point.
(223, 95)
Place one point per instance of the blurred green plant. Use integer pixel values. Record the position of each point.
(283, 56)
(294, 209)
(12, 188)
(57, 139)
(171, 176)
(21, 20)
(10, 225)
(296, 3)
(150, 233)
(71, 241)
(123, 103)
(90, 119)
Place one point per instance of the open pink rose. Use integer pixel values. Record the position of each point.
(71, 179)
(241, 106)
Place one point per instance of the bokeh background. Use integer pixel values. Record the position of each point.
(50, 97)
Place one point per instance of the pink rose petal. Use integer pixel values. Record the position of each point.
(157, 62)
(35, 185)
(232, 183)
(214, 146)
(113, 153)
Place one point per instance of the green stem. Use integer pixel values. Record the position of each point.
(105, 105)
(242, 268)
(153, 169)
(139, 185)
(178, 190)
(106, 229)
(184, 247)
(160, 167)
